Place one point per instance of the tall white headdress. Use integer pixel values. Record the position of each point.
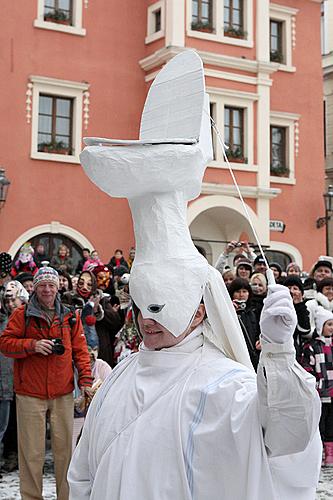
(159, 174)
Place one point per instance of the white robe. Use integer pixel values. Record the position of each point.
(187, 423)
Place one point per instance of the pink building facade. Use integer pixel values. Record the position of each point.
(75, 68)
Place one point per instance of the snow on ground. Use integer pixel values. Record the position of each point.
(9, 485)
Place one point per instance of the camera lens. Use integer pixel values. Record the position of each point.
(58, 347)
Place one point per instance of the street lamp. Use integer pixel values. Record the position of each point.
(323, 221)
(4, 185)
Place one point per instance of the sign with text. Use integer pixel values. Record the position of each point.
(277, 225)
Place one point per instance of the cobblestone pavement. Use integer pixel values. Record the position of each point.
(9, 485)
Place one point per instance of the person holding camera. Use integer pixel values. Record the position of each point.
(239, 249)
(44, 338)
(240, 293)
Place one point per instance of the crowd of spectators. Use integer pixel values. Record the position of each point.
(66, 328)
(312, 295)
(93, 298)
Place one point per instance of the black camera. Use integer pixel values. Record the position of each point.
(241, 304)
(58, 346)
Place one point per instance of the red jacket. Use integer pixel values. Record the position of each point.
(36, 375)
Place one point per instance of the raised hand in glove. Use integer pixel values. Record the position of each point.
(278, 318)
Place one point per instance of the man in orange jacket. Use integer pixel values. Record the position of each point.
(45, 338)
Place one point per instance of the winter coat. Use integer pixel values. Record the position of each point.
(302, 331)
(36, 375)
(313, 304)
(65, 264)
(107, 329)
(88, 316)
(250, 328)
(317, 359)
(122, 262)
(6, 368)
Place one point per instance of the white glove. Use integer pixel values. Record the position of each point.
(278, 318)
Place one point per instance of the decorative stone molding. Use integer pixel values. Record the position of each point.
(293, 31)
(296, 137)
(86, 103)
(247, 191)
(28, 102)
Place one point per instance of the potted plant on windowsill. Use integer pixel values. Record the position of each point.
(54, 147)
(280, 171)
(58, 17)
(236, 155)
(233, 32)
(276, 56)
(200, 26)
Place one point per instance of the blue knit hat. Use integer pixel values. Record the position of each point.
(46, 274)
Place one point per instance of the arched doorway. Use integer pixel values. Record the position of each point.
(52, 235)
(213, 227)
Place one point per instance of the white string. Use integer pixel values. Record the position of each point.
(269, 272)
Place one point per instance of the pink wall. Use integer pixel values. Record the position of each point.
(42, 191)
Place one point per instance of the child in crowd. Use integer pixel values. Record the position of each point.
(317, 359)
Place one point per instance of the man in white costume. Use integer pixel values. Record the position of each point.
(186, 417)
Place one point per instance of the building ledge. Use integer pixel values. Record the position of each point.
(247, 191)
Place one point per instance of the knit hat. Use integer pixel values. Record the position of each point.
(294, 280)
(46, 274)
(5, 263)
(293, 265)
(23, 277)
(259, 260)
(100, 269)
(322, 263)
(277, 266)
(246, 263)
(321, 316)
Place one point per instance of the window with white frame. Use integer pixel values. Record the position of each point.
(283, 146)
(282, 35)
(234, 18)
(276, 46)
(57, 109)
(155, 21)
(226, 21)
(202, 15)
(60, 15)
(234, 116)
(279, 164)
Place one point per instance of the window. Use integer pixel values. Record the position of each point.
(223, 21)
(234, 133)
(282, 35)
(155, 21)
(212, 111)
(60, 15)
(279, 166)
(58, 11)
(284, 146)
(157, 15)
(233, 18)
(202, 15)
(55, 119)
(276, 37)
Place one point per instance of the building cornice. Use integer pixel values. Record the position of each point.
(247, 191)
(163, 55)
(60, 83)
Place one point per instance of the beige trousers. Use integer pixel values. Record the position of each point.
(31, 425)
